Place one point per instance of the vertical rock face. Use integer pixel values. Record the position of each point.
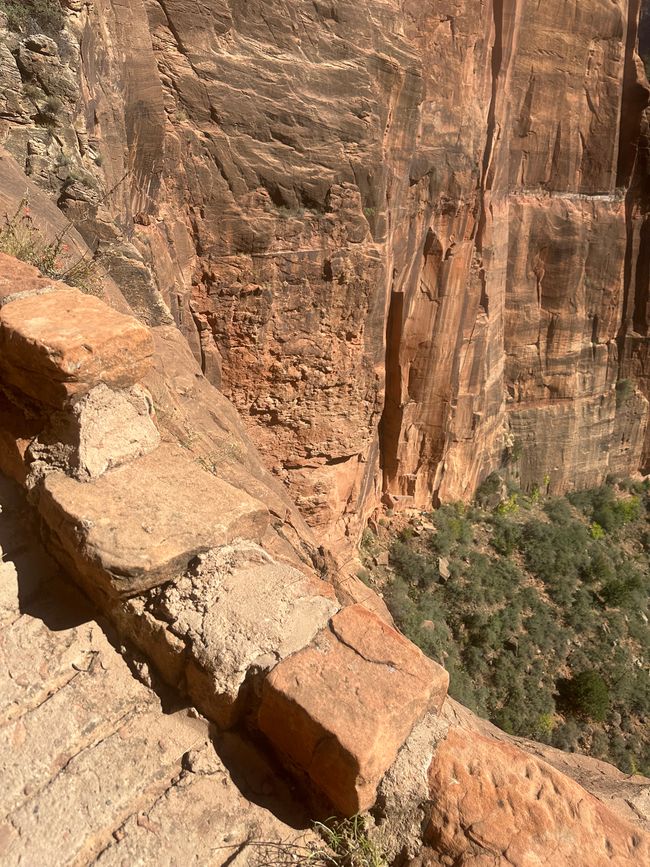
(406, 239)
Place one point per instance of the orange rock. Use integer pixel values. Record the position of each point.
(341, 708)
(60, 344)
(493, 804)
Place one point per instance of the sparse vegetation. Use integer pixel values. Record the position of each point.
(539, 611)
(20, 238)
(347, 844)
(34, 16)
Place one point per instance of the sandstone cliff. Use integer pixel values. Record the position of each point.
(407, 240)
(211, 604)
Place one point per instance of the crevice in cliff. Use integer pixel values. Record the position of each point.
(497, 60)
(485, 183)
(634, 100)
(632, 172)
(390, 425)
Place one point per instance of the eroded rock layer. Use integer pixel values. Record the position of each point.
(407, 239)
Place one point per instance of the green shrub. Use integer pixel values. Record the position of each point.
(33, 16)
(527, 600)
(586, 694)
(20, 238)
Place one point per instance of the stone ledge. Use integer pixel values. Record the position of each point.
(58, 345)
(140, 525)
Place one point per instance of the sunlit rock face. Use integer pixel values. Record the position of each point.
(405, 238)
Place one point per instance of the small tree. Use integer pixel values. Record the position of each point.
(585, 695)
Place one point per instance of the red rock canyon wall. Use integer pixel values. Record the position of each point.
(407, 239)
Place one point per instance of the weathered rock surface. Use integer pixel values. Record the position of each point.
(493, 804)
(626, 795)
(341, 708)
(236, 614)
(56, 345)
(400, 289)
(140, 525)
(93, 770)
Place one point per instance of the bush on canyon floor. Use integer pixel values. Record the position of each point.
(542, 624)
(28, 16)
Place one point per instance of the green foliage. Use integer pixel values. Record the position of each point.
(585, 694)
(541, 620)
(34, 16)
(488, 489)
(347, 844)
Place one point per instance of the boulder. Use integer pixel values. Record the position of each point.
(491, 803)
(58, 345)
(341, 708)
(239, 612)
(141, 524)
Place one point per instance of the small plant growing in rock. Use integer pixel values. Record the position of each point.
(20, 238)
(347, 844)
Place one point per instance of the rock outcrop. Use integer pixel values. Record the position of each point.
(174, 555)
(493, 804)
(194, 576)
(96, 768)
(409, 241)
(406, 240)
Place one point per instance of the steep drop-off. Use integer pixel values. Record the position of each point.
(406, 239)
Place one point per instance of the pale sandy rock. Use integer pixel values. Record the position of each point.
(228, 828)
(92, 767)
(341, 708)
(141, 524)
(240, 613)
(113, 428)
(60, 344)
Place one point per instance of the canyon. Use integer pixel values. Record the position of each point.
(300, 261)
(406, 242)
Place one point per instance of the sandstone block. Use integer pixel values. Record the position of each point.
(57, 345)
(341, 708)
(141, 524)
(240, 611)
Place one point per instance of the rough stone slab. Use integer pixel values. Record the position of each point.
(224, 826)
(74, 816)
(140, 525)
(341, 708)
(113, 428)
(35, 747)
(104, 429)
(36, 660)
(57, 345)
(240, 612)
